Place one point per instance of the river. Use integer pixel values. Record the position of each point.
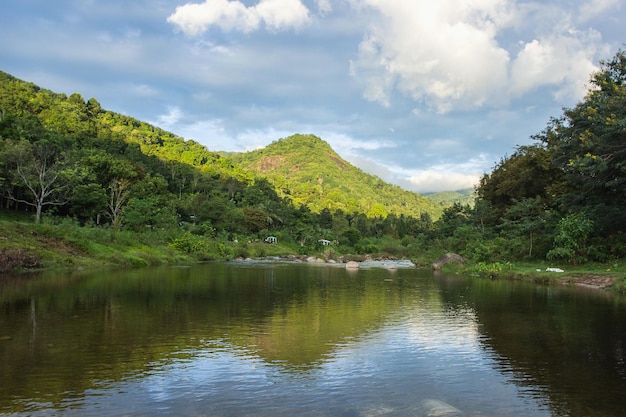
(279, 339)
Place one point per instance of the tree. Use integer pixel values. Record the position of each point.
(119, 193)
(148, 212)
(38, 169)
(526, 218)
(528, 173)
(571, 240)
(589, 144)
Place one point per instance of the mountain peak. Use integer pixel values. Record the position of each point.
(307, 170)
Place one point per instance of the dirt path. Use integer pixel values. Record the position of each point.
(600, 282)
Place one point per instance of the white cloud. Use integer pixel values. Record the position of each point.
(448, 56)
(346, 143)
(195, 18)
(324, 6)
(561, 60)
(170, 119)
(436, 52)
(434, 180)
(593, 8)
(210, 133)
(216, 136)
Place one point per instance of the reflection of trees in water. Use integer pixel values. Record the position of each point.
(85, 329)
(566, 343)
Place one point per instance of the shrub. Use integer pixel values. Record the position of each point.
(571, 239)
(190, 243)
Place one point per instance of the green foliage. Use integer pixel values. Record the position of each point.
(487, 250)
(589, 147)
(365, 246)
(351, 237)
(225, 251)
(489, 269)
(527, 174)
(449, 198)
(572, 239)
(306, 170)
(150, 212)
(190, 244)
(578, 166)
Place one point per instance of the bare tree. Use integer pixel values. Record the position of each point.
(38, 170)
(119, 195)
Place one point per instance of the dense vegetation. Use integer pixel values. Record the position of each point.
(96, 173)
(71, 163)
(562, 198)
(449, 198)
(306, 170)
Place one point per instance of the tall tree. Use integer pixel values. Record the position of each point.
(589, 144)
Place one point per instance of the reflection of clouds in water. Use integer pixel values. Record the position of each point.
(206, 371)
(420, 332)
(423, 352)
(444, 332)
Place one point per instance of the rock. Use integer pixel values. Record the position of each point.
(447, 258)
(437, 408)
(314, 260)
(352, 265)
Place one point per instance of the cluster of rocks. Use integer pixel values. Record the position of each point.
(367, 261)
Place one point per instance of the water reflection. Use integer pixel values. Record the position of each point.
(267, 340)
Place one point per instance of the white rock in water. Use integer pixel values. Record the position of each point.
(437, 408)
(352, 265)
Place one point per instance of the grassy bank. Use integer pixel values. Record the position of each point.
(607, 276)
(63, 244)
(25, 245)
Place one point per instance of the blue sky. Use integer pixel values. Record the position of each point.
(425, 94)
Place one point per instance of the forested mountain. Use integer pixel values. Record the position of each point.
(68, 157)
(305, 169)
(449, 198)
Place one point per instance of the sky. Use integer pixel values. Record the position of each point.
(425, 94)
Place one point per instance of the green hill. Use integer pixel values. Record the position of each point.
(305, 169)
(449, 198)
(66, 160)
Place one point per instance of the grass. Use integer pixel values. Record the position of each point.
(62, 243)
(592, 274)
(67, 245)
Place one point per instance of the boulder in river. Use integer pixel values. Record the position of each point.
(352, 265)
(447, 258)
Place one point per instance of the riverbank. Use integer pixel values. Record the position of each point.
(25, 246)
(601, 276)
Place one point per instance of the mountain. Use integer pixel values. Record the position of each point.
(449, 198)
(305, 169)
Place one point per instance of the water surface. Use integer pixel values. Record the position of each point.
(240, 339)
